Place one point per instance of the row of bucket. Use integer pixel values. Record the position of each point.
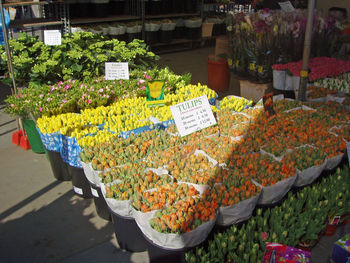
(128, 234)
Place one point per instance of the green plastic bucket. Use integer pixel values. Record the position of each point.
(33, 136)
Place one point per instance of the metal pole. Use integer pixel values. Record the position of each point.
(306, 53)
(7, 47)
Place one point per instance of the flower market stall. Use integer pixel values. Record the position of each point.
(215, 195)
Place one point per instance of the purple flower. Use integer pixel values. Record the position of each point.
(88, 101)
(143, 87)
(146, 76)
(52, 89)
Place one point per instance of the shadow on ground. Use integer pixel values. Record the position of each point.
(53, 232)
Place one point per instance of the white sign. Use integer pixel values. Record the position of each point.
(287, 6)
(52, 37)
(193, 115)
(116, 70)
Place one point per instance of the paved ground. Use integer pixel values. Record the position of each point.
(41, 220)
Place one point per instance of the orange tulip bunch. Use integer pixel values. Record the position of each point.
(305, 157)
(184, 216)
(163, 195)
(233, 191)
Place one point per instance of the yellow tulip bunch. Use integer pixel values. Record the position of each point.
(193, 91)
(124, 115)
(234, 103)
(100, 137)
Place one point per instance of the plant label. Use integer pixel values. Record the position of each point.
(348, 148)
(335, 220)
(78, 190)
(94, 192)
(116, 70)
(52, 37)
(155, 90)
(286, 6)
(193, 115)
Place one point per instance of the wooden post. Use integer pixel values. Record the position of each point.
(304, 76)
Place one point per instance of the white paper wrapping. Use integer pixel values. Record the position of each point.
(334, 161)
(122, 208)
(309, 175)
(90, 174)
(211, 160)
(274, 193)
(237, 213)
(174, 241)
(335, 98)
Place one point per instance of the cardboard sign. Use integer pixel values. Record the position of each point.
(116, 70)
(52, 37)
(155, 90)
(286, 6)
(268, 103)
(193, 115)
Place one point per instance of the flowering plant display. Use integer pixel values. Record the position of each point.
(74, 95)
(320, 68)
(267, 37)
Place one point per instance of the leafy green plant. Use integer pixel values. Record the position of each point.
(81, 55)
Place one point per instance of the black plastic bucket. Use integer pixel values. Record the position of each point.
(128, 234)
(151, 37)
(123, 37)
(100, 203)
(159, 254)
(166, 36)
(180, 32)
(58, 166)
(81, 185)
(132, 36)
(193, 33)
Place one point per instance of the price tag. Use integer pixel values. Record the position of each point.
(116, 70)
(304, 73)
(278, 97)
(251, 66)
(348, 148)
(78, 190)
(237, 63)
(94, 192)
(260, 69)
(52, 37)
(193, 115)
(286, 6)
(229, 61)
(335, 220)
